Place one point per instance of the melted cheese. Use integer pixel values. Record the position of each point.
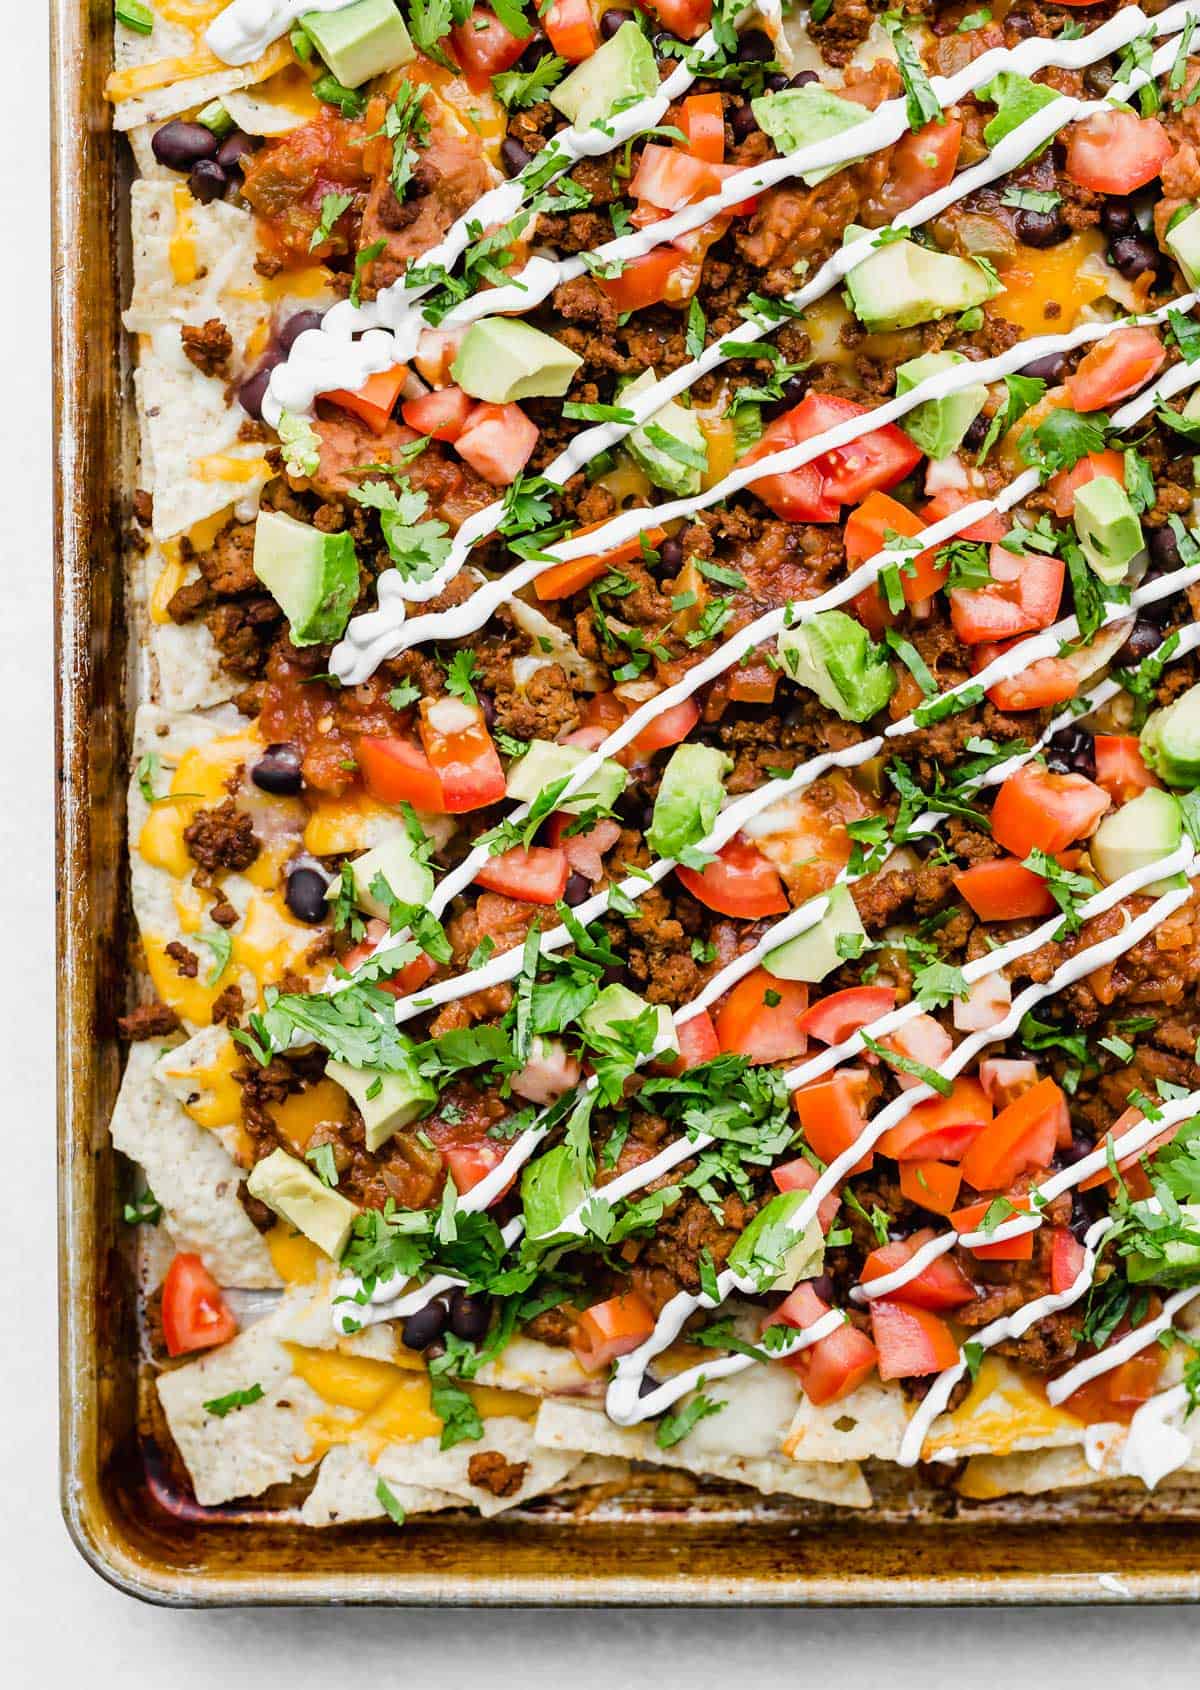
(1000, 1413)
(192, 14)
(225, 466)
(199, 781)
(215, 1099)
(298, 1116)
(296, 1259)
(1044, 293)
(171, 578)
(182, 248)
(134, 80)
(338, 825)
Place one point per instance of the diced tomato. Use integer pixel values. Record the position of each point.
(398, 772)
(796, 495)
(863, 537)
(1037, 810)
(801, 1307)
(739, 882)
(835, 1365)
(922, 1040)
(911, 1342)
(497, 442)
(874, 462)
(1116, 366)
(942, 1127)
(537, 875)
(686, 19)
(1063, 487)
(484, 47)
(563, 579)
(671, 179)
(1119, 1393)
(920, 164)
(376, 398)
(1051, 680)
(1019, 1249)
(1004, 890)
(832, 1115)
(1120, 767)
(1129, 1164)
(800, 1175)
(941, 1284)
(950, 499)
(759, 1019)
(441, 414)
(461, 753)
(1022, 1137)
(470, 1163)
(646, 281)
(702, 121)
(1116, 152)
(669, 727)
(1066, 1259)
(611, 1329)
(930, 1185)
(195, 1315)
(696, 1041)
(1023, 595)
(1004, 1078)
(572, 29)
(409, 979)
(835, 1017)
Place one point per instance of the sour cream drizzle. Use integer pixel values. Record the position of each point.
(246, 28)
(378, 635)
(1155, 1444)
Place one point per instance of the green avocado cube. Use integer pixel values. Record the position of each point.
(902, 284)
(1171, 740)
(409, 881)
(387, 1100)
(546, 763)
(1146, 828)
(689, 798)
(502, 359)
(614, 1006)
(813, 955)
(1183, 241)
(620, 71)
(1110, 535)
(670, 447)
(938, 425)
(835, 656)
(797, 117)
(313, 577)
(1179, 1263)
(360, 41)
(768, 1256)
(292, 1191)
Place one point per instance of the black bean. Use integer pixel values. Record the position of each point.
(1049, 368)
(579, 887)
(295, 326)
(977, 432)
(536, 51)
(803, 78)
(424, 1326)
(253, 389)
(1133, 255)
(469, 1316)
(234, 148)
(823, 1287)
(1079, 1147)
(647, 1383)
(1164, 549)
(611, 21)
(1144, 637)
(776, 82)
(1040, 228)
(670, 554)
(488, 705)
(179, 145)
(755, 47)
(1072, 751)
(513, 156)
(207, 181)
(1098, 79)
(743, 122)
(278, 770)
(1116, 217)
(305, 895)
(1019, 26)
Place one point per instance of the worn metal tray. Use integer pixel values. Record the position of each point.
(666, 1544)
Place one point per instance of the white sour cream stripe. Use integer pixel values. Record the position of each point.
(378, 635)
(1155, 1445)
(623, 1403)
(246, 28)
(1114, 1354)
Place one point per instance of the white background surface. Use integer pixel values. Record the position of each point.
(58, 1623)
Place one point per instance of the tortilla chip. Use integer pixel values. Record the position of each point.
(171, 71)
(191, 1174)
(192, 262)
(741, 1443)
(185, 661)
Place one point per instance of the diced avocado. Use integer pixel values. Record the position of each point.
(615, 1005)
(313, 577)
(387, 1100)
(764, 1253)
(409, 881)
(938, 425)
(360, 41)
(1110, 534)
(796, 117)
(622, 69)
(1016, 99)
(502, 359)
(1179, 1263)
(1171, 740)
(835, 656)
(670, 448)
(815, 954)
(291, 1190)
(1183, 241)
(545, 763)
(903, 284)
(1148, 827)
(550, 1188)
(689, 798)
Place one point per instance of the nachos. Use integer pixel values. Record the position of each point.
(663, 815)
